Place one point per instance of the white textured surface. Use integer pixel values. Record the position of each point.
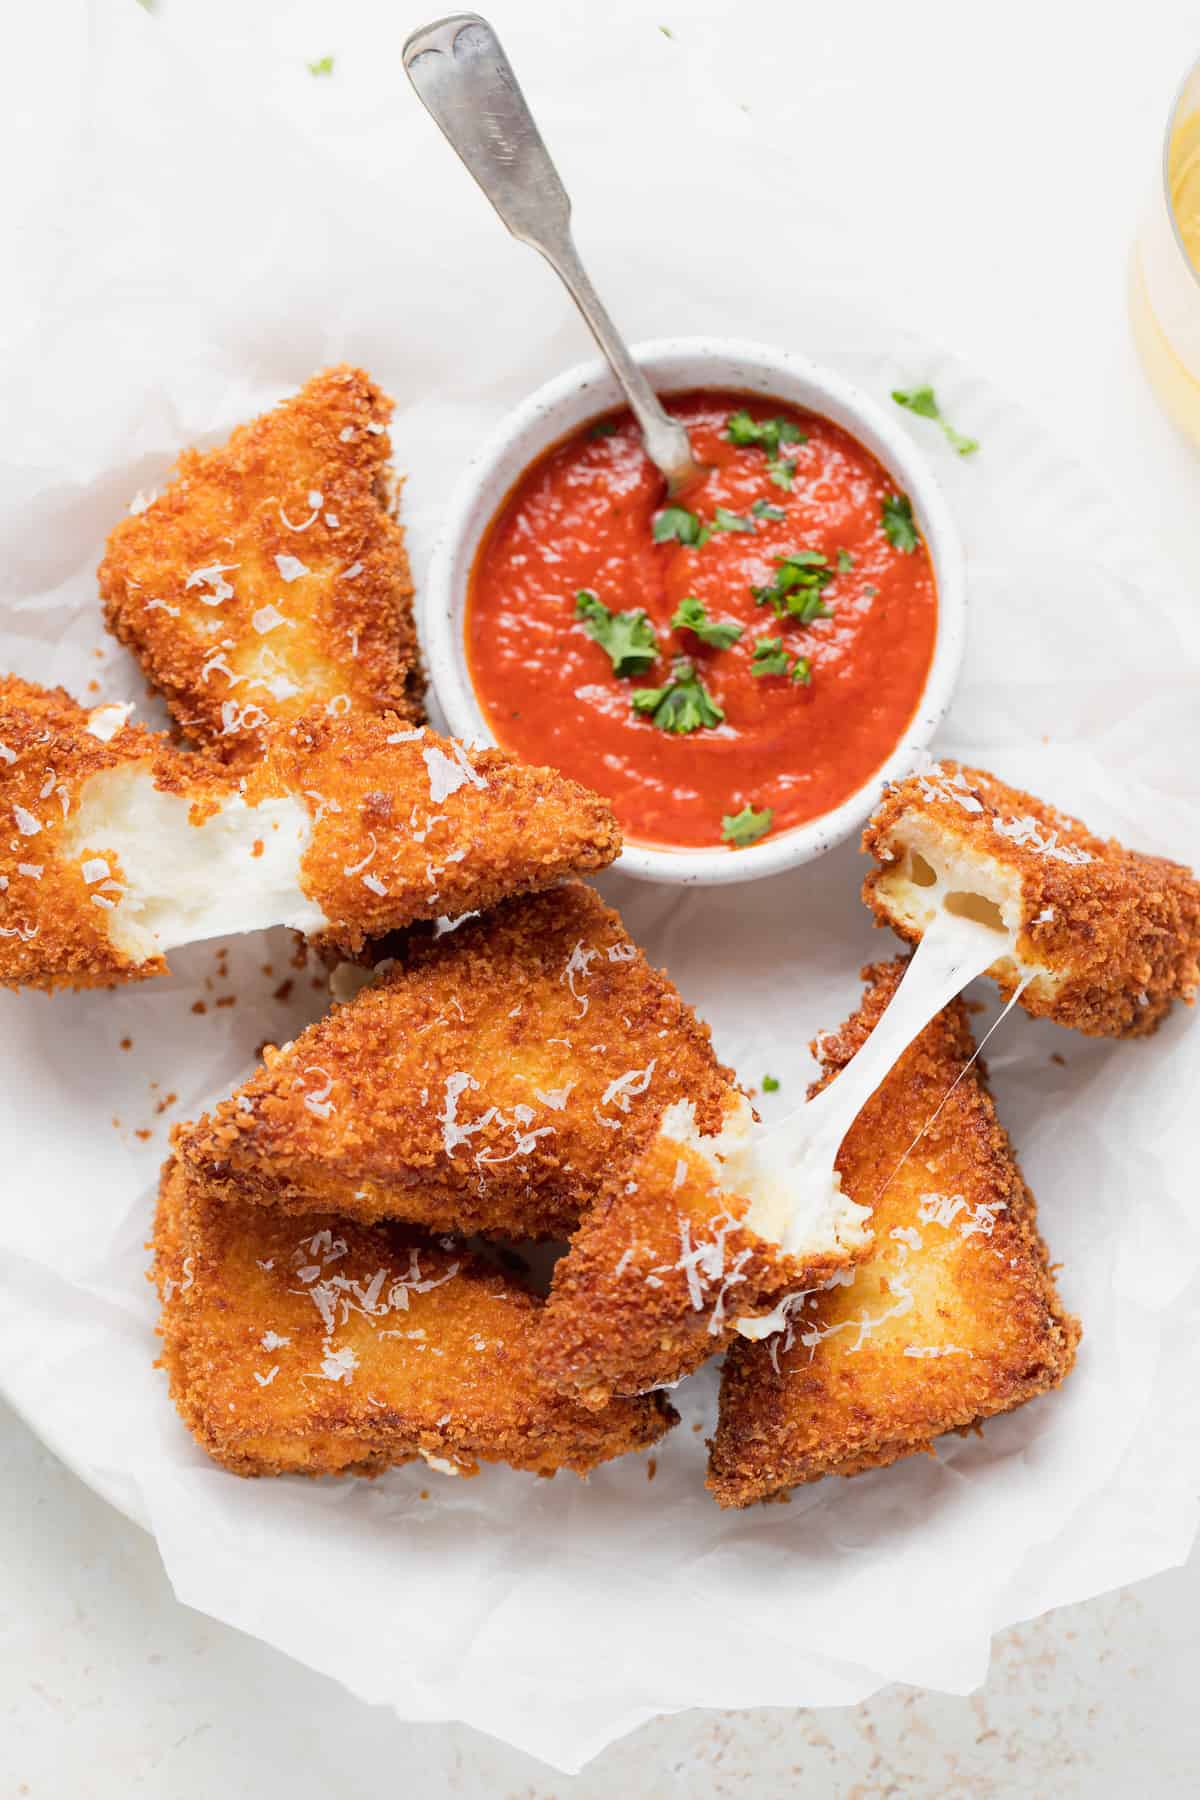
(996, 219)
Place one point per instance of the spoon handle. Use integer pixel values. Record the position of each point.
(465, 81)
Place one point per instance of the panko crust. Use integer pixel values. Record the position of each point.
(1119, 931)
(655, 1277)
(307, 481)
(954, 1317)
(322, 1348)
(491, 1081)
(52, 929)
(406, 826)
(410, 826)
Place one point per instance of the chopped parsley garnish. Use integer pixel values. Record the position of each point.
(782, 472)
(770, 658)
(768, 434)
(763, 509)
(602, 428)
(690, 615)
(770, 1085)
(628, 637)
(678, 523)
(746, 827)
(923, 402)
(796, 590)
(724, 520)
(898, 523)
(683, 704)
(322, 66)
(845, 562)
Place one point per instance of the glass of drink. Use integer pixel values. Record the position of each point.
(1165, 276)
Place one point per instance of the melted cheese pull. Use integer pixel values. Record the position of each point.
(965, 934)
(935, 875)
(166, 881)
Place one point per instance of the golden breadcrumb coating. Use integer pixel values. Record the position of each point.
(659, 1271)
(408, 825)
(954, 1317)
(1113, 935)
(490, 1081)
(270, 575)
(54, 929)
(318, 1347)
(390, 824)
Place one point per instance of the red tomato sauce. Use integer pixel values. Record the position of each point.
(582, 518)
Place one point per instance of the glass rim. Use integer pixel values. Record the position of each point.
(1172, 119)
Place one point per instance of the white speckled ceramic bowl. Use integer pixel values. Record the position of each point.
(675, 365)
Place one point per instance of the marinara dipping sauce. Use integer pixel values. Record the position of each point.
(815, 610)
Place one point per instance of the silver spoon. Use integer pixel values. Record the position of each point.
(465, 81)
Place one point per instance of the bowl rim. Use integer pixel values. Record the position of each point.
(538, 421)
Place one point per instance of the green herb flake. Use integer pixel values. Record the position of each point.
(676, 522)
(770, 1085)
(845, 562)
(746, 827)
(796, 590)
(763, 509)
(767, 434)
(666, 31)
(691, 615)
(602, 428)
(782, 472)
(770, 657)
(898, 523)
(724, 520)
(322, 66)
(923, 402)
(627, 637)
(683, 704)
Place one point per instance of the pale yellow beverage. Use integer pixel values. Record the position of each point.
(1165, 274)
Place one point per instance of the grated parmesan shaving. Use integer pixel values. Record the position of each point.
(241, 718)
(447, 774)
(317, 1100)
(628, 1086)
(315, 502)
(1029, 834)
(213, 578)
(578, 963)
(358, 867)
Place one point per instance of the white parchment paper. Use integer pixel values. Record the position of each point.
(181, 259)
